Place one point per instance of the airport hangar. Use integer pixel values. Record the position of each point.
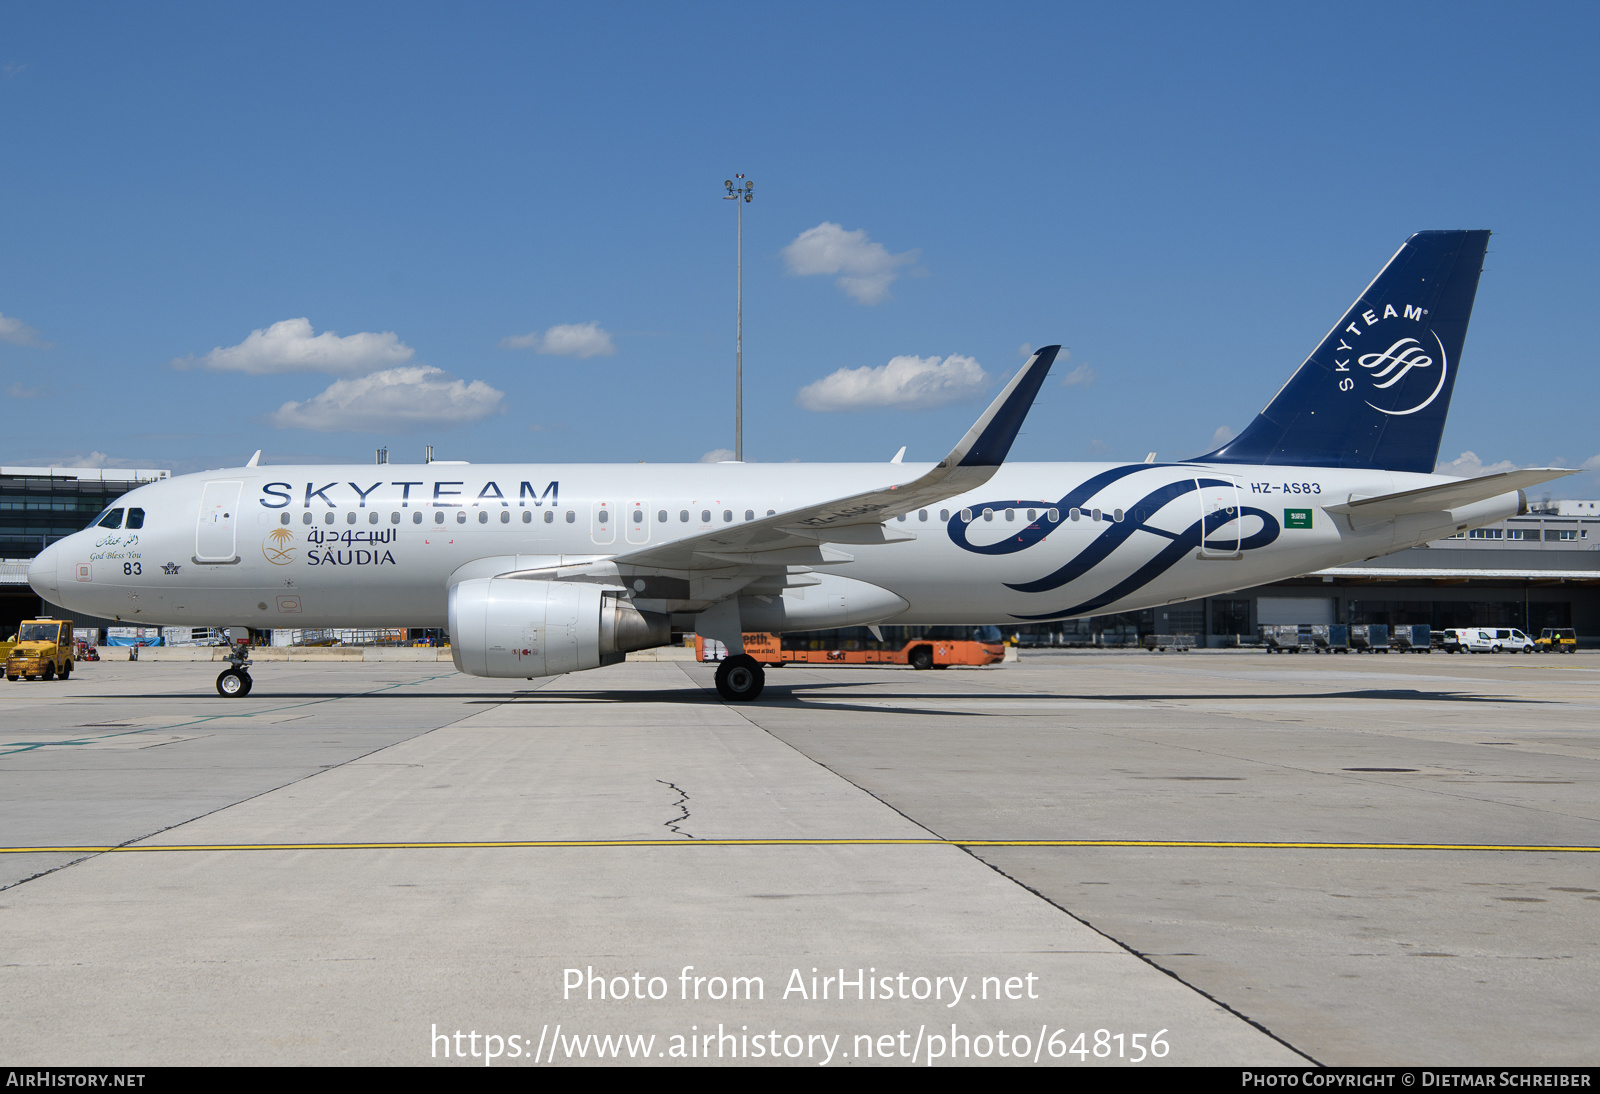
(1533, 571)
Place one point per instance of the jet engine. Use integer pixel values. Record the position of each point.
(505, 627)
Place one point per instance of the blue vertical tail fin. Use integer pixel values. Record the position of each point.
(1375, 392)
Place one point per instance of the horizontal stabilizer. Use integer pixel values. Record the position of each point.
(1449, 495)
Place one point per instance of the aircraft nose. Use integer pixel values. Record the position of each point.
(42, 574)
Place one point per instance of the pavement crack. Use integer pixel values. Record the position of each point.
(682, 804)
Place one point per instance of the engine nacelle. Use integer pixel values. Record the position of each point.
(504, 627)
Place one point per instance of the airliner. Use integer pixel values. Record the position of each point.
(538, 570)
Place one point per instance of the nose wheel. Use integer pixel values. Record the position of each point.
(234, 684)
(740, 679)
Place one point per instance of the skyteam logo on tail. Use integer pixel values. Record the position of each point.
(1387, 368)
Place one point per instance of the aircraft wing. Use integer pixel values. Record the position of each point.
(797, 537)
(1431, 499)
(859, 518)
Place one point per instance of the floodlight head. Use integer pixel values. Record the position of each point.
(728, 183)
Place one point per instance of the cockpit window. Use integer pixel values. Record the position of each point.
(112, 519)
(135, 518)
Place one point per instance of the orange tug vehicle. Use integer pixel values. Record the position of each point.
(44, 650)
(934, 648)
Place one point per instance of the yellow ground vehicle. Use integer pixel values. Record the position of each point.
(43, 649)
(1557, 640)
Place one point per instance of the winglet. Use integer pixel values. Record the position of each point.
(989, 440)
(254, 459)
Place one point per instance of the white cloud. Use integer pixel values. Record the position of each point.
(289, 346)
(395, 398)
(911, 383)
(566, 340)
(1222, 436)
(717, 455)
(1468, 466)
(1082, 376)
(866, 268)
(1592, 463)
(18, 391)
(17, 332)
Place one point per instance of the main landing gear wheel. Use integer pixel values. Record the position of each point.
(234, 684)
(740, 679)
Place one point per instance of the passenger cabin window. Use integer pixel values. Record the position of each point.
(113, 519)
(772, 512)
(527, 517)
(505, 516)
(705, 516)
(438, 518)
(966, 516)
(1116, 515)
(605, 516)
(372, 517)
(944, 515)
(284, 518)
(416, 518)
(988, 514)
(305, 518)
(135, 518)
(550, 517)
(922, 514)
(1011, 514)
(683, 515)
(394, 518)
(727, 516)
(327, 518)
(638, 516)
(901, 518)
(461, 516)
(1052, 515)
(749, 514)
(1033, 514)
(661, 516)
(350, 517)
(572, 518)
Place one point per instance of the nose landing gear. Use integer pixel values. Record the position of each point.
(234, 682)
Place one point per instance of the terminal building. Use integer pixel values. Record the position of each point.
(1529, 572)
(39, 505)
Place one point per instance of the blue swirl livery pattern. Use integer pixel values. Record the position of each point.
(1170, 546)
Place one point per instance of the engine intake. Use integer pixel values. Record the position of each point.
(508, 628)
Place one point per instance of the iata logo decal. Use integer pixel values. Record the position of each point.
(277, 547)
(1387, 368)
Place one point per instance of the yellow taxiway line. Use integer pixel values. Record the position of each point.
(500, 844)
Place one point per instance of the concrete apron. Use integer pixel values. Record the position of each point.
(382, 955)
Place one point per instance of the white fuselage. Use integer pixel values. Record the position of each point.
(366, 546)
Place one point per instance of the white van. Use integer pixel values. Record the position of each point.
(1495, 640)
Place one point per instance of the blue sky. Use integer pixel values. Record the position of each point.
(1187, 196)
